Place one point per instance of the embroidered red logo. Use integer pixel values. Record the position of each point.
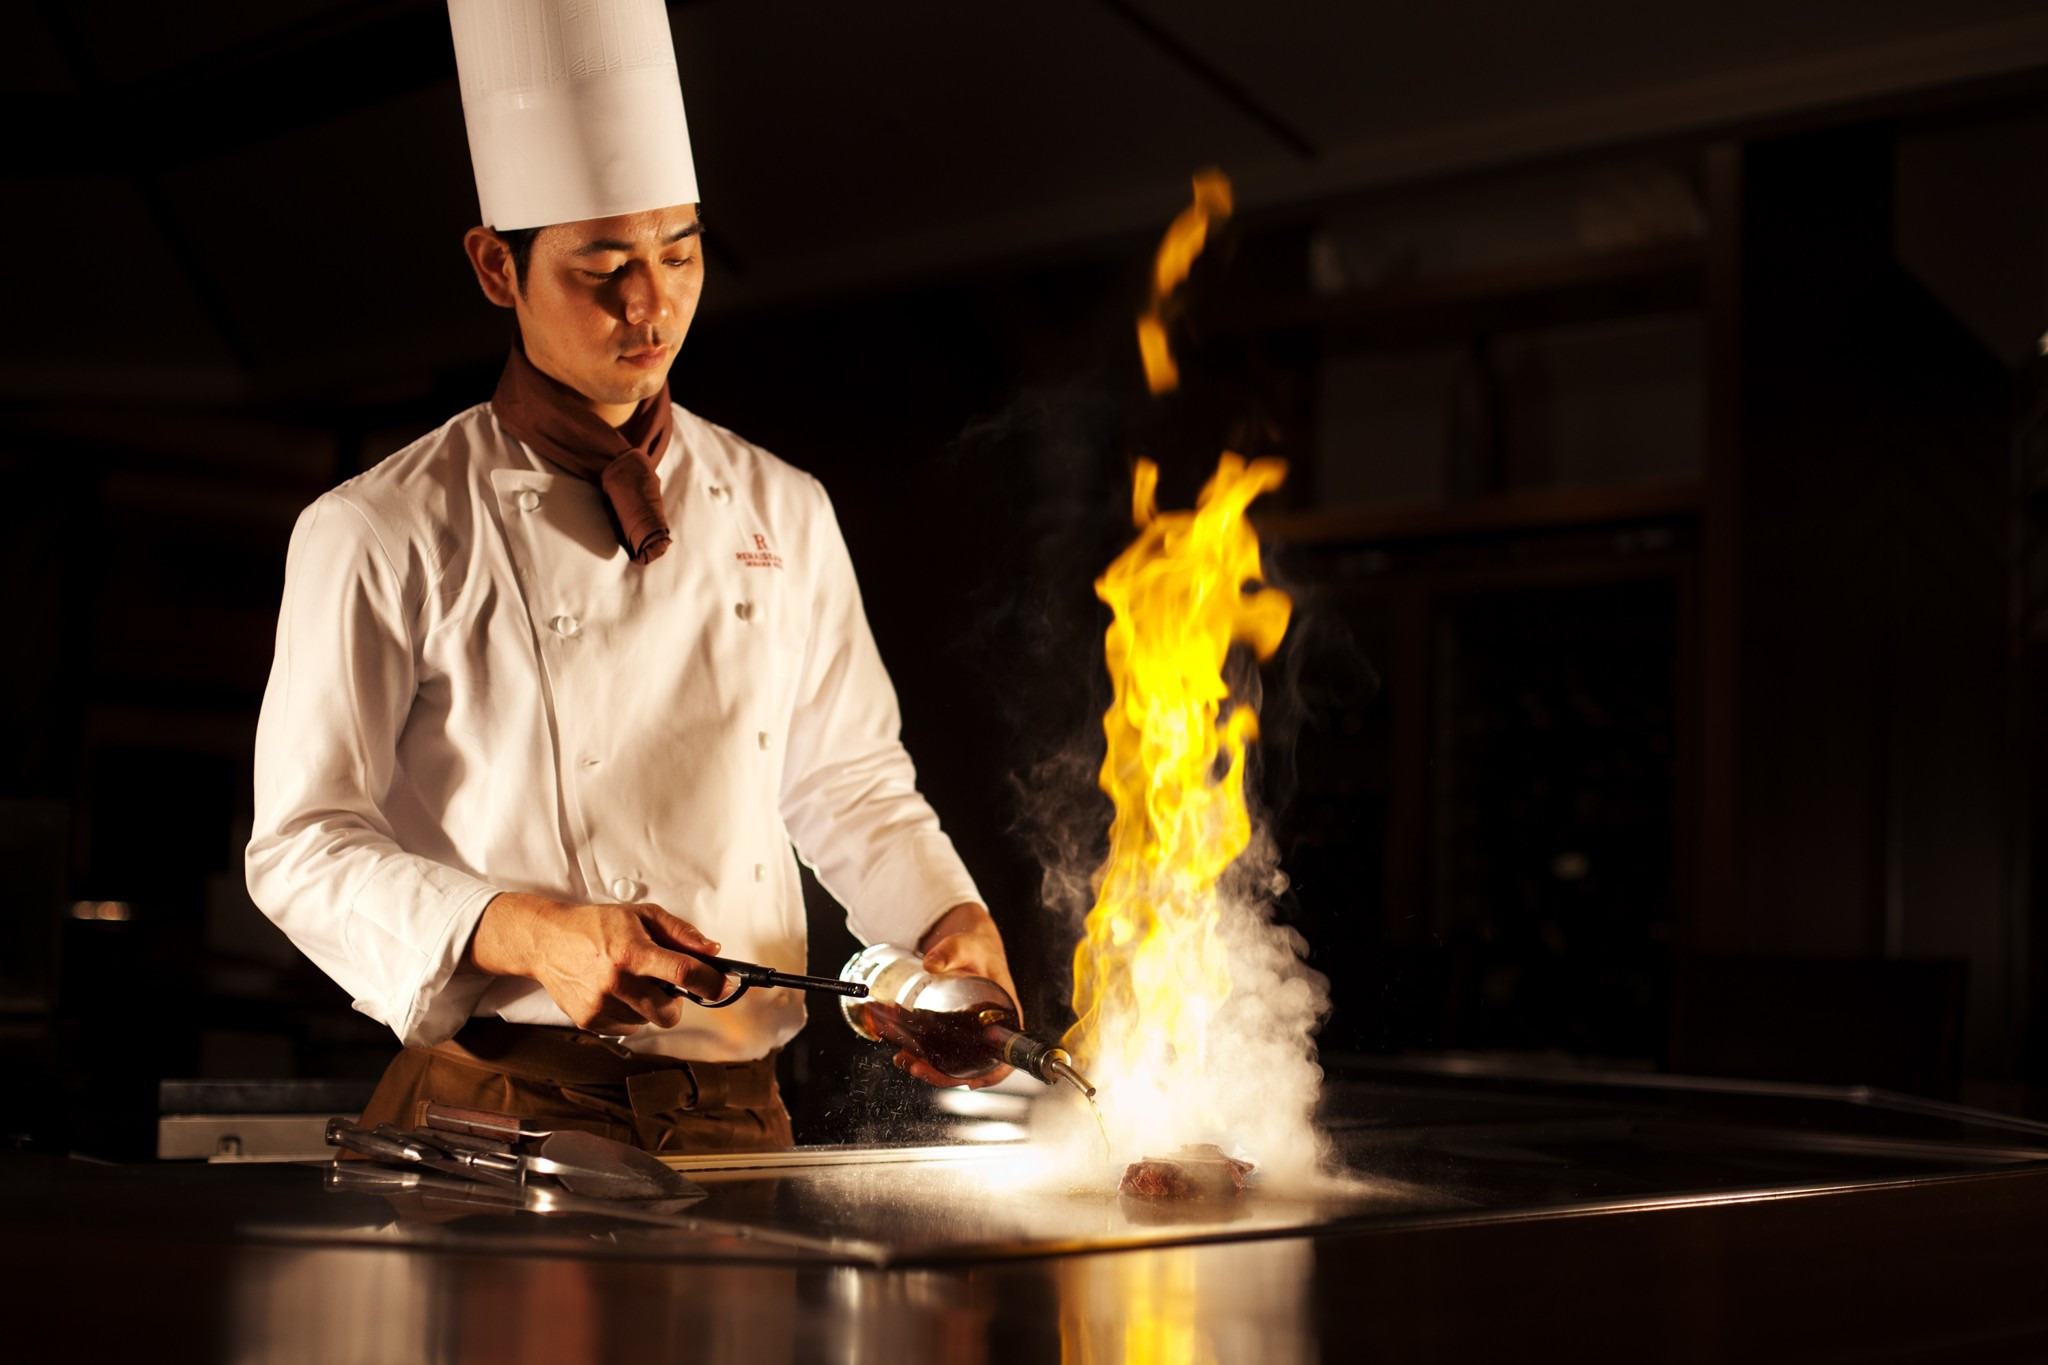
(760, 557)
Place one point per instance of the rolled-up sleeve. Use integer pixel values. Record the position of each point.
(324, 861)
(849, 792)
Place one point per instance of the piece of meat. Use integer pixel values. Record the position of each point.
(1198, 1171)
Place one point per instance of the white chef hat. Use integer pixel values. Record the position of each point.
(574, 109)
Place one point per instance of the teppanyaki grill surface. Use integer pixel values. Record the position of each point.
(1421, 1149)
(1417, 1147)
(1503, 1216)
(925, 1205)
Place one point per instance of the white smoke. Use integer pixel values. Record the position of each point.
(1254, 1090)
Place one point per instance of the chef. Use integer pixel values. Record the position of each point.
(558, 686)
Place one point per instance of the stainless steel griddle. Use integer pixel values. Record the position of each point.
(1422, 1147)
(1681, 1219)
(926, 1205)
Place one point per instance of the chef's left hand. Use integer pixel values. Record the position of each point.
(963, 942)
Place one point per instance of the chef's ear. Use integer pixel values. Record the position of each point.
(497, 270)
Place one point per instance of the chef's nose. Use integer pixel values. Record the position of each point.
(641, 298)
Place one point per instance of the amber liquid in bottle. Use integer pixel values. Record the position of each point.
(965, 1026)
(963, 1043)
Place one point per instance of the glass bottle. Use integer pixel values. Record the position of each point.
(965, 1026)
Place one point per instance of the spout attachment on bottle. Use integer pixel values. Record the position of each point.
(1049, 1064)
(1059, 1064)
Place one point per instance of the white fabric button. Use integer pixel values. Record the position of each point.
(527, 499)
(626, 889)
(743, 610)
(760, 872)
(720, 493)
(765, 741)
(568, 627)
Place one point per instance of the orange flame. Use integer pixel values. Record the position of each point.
(1185, 238)
(1151, 972)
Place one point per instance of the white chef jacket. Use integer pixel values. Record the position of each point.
(475, 691)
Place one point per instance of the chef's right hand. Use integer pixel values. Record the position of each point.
(600, 963)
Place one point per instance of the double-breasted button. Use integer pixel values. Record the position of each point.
(527, 499)
(743, 610)
(626, 889)
(568, 627)
(767, 741)
(720, 493)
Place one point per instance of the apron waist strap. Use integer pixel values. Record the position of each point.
(573, 1057)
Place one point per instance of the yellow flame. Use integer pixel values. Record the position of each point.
(1185, 238)
(1150, 972)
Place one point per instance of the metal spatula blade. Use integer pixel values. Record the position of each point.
(600, 1168)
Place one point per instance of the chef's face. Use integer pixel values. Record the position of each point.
(605, 303)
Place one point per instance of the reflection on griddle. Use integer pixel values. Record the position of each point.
(1179, 1213)
(1179, 1305)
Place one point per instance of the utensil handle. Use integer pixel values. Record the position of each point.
(755, 974)
(376, 1146)
(453, 1118)
(830, 984)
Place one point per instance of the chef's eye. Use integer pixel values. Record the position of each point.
(605, 274)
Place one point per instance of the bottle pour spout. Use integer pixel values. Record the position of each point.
(1047, 1063)
(1062, 1067)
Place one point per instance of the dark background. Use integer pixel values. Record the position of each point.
(1661, 385)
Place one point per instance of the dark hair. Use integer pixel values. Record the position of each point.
(519, 241)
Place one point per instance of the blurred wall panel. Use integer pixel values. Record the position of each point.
(1871, 801)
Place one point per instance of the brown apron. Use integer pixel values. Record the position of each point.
(578, 1080)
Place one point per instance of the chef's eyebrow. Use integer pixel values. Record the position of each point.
(604, 244)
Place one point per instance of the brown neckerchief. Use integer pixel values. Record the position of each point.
(557, 421)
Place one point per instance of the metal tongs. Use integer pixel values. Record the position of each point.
(500, 1149)
(750, 974)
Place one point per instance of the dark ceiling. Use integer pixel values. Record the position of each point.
(262, 197)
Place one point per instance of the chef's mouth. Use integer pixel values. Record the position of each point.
(647, 358)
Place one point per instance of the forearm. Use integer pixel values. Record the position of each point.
(507, 932)
(875, 843)
(387, 925)
(849, 795)
(325, 859)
